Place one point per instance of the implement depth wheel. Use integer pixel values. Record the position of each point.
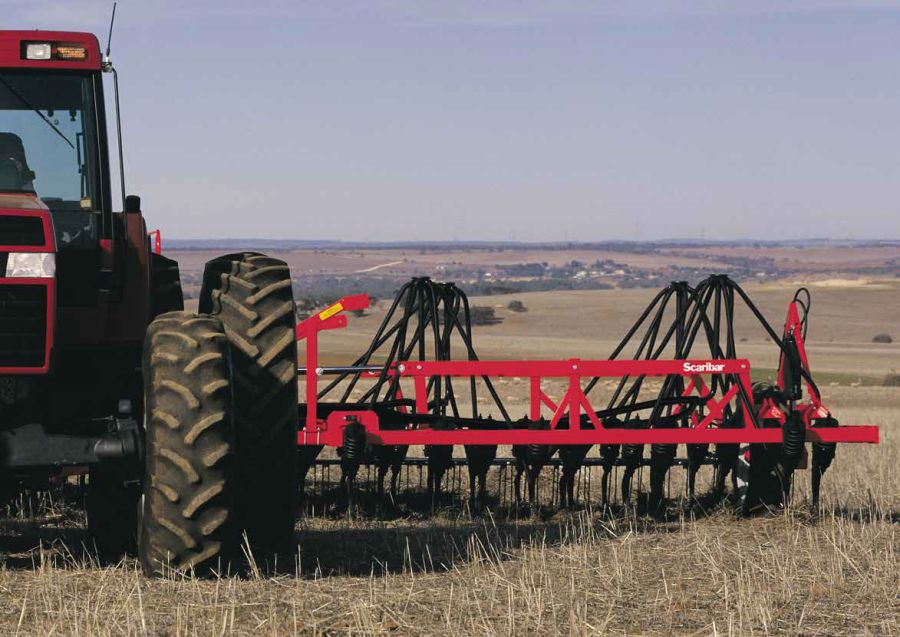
(251, 294)
(187, 516)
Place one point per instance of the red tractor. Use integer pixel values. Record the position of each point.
(186, 424)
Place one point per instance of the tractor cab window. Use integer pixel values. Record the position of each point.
(48, 147)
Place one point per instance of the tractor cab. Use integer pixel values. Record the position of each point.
(49, 150)
(84, 268)
(50, 141)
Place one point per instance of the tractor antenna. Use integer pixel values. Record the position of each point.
(112, 21)
(109, 68)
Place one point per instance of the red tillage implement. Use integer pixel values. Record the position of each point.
(704, 428)
(664, 396)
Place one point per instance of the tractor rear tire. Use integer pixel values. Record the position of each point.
(187, 513)
(251, 294)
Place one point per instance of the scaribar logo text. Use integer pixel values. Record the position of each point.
(703, 367)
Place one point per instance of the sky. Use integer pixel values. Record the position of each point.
(527, 120)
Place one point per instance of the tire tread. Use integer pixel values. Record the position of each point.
(188, 513)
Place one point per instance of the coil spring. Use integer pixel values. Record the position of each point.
(661, 452)
(823, 452)
(439, 456)
(696, 453)
(609, 453)
(354, 443)
(572, 456)
(727, 454)
(538, 453)
(386, 455)
(534, 453)
(794, 439)
(632, 454)
(481, 453)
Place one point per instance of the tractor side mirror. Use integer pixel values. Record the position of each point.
(132, 204)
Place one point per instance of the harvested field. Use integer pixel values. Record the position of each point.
(707, 572)
(581, 573)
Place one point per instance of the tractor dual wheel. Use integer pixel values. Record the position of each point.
(187, 513)
(166, 294)
(251, 294)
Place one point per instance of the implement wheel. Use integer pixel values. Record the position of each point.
(187, 512)
(251, 294)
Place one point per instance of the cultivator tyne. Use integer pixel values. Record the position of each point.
(419, 390)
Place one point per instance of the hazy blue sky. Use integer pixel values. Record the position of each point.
(524, 119)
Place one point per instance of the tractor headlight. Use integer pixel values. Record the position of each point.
(36, 265)
(38, 51)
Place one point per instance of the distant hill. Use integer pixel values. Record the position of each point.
(628, 246)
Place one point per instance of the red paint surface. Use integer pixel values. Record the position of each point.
(11, 49)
